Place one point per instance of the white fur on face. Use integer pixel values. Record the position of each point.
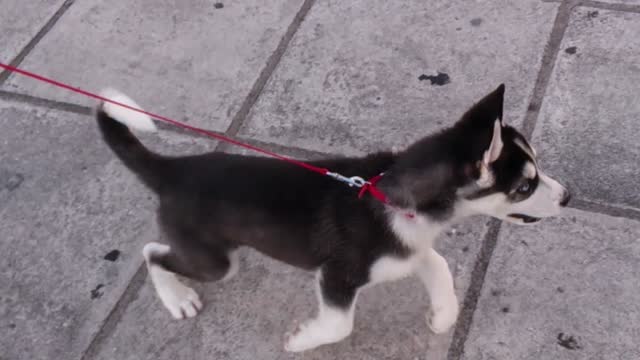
(544, 202)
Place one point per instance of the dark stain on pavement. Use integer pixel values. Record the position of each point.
(568, 342)
(10, 180)
(571, 50)
(96, 293)
(112, 255)
(440, 79)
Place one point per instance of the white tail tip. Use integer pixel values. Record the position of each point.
(132, 119)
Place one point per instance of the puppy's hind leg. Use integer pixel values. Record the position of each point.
(204, 264)
(181, 300)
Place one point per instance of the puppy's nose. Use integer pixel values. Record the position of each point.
(566, 196)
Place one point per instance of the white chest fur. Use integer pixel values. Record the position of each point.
(418, 233)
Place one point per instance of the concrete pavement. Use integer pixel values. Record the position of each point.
(307, 79)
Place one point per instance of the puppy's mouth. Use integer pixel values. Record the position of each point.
(525, 218)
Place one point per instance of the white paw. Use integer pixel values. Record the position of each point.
(443, 317)
(298, 340)
(181, 300)
(316, 332)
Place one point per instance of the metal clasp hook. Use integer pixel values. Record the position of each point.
(356, 181)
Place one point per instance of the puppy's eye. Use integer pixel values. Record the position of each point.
(524, 188)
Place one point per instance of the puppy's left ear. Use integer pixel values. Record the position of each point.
(485, 112)
(495, 147)
(490, 155)
(483, 122)
(493, 105)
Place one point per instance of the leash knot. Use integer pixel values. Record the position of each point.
(370, 187)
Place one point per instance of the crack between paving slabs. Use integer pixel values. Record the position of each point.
(272, 63)
(114, 316)
(610, 6)
(549, 56)
(46, 103)
(605, 209)
(472, 295)
(4, 75)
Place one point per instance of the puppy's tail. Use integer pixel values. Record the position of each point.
(114, 122)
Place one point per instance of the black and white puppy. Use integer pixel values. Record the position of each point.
(212, 204)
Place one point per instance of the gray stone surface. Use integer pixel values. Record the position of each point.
(247, 316)
(588, 126)
(571, 280)
(65, 202)
(182, 59)
(349, 81)
(21, 20)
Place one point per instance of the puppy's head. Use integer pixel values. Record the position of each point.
(507, 182)
(488, 168)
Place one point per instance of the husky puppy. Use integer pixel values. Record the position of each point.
(213, 204)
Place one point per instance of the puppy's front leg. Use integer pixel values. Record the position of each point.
(336, 292)
(435, 274)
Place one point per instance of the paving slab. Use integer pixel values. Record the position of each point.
(564, 289)
(73, 221)
(246, 317)
(192, 60)
(21, 21)
(369, 74)
(588, 125)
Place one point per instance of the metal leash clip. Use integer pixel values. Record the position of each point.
(356, 181)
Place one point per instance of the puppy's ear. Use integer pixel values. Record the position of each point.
(495, 147)
(482, 125)
(484, 113)
(490, 155)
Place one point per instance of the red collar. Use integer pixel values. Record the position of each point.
(370, 187)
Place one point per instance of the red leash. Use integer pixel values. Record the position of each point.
(365, 186)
